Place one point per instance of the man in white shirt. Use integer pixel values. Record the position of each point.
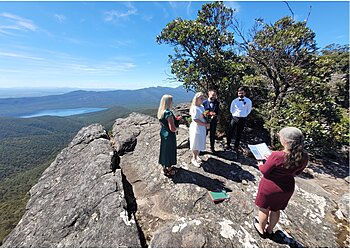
(240, 109)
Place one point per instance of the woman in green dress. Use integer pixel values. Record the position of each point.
(167, 156)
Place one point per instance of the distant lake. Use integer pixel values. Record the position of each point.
(63, 112)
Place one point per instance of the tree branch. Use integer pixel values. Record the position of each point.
(308, 15)
(289, 8)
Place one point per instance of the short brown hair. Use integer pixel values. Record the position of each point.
(242, 88)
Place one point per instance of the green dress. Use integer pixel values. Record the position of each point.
(167, 156)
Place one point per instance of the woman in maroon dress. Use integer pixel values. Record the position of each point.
(277, 184)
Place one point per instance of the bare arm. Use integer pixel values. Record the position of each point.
(171, 123)
(199, 122)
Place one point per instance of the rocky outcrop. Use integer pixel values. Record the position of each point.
(179, 213)
(78, 202)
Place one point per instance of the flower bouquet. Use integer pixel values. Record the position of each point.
(209, 115)
(177, 120)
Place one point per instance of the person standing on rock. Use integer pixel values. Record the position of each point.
(240, 109)
(277, 184)
(212, 105)
(167, 155)
(198, 128)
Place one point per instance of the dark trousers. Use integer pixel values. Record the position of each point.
(237, 124)
(212, 130)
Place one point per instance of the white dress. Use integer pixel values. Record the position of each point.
(197, 132)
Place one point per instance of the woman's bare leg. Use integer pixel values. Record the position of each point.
(273, 219)
(195, 154)
(262, 217)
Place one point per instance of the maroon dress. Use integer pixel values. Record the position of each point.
(277, 184)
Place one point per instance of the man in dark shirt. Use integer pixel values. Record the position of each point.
(212, 105)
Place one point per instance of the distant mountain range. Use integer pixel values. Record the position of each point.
(35, 92)
(141, 98)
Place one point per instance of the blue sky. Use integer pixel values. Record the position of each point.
(113, 44)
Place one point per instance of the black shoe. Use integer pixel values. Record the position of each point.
(269, 235)
(262, 235)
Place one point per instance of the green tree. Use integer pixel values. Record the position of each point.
(295, 80)
(339, 83)
(204, 57)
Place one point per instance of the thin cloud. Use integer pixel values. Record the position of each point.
(53, 63)
(122, 43)
(12, 22)
(173, 4)
(21, 56)
(341, 36)
(179, 6)
(77, 41)
(189, 9)
(60, 18)
(115, 15)
(109, 68)
(164, 10)
(147, 18)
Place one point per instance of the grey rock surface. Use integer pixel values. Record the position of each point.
(78, 202)
(179, 213)
(344, 205)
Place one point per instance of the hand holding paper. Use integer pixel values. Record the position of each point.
(260, 151)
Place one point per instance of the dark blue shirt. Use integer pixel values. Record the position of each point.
(215, 107)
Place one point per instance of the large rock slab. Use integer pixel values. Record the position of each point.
(179, 213)
(78, 202)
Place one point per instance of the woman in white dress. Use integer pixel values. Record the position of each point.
(197, 128)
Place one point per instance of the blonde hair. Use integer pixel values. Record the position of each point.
(165, 103)
(294, 139)
(196, 96)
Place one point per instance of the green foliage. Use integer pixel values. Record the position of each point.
(204, 57)
(27, 148)
(338, 55)
(290, 83)
(14, 196)
(340, 130)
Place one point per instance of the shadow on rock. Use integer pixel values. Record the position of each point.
(187, 176)
(307, 176)
(229, 171)
(132, 207)
(280, 238)
(335, 169)
(227, 155)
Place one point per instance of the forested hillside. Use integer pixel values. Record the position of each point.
(27, 148)
(131, 99)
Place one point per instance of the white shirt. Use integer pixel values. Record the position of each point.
(241, 108)
(211, 104)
